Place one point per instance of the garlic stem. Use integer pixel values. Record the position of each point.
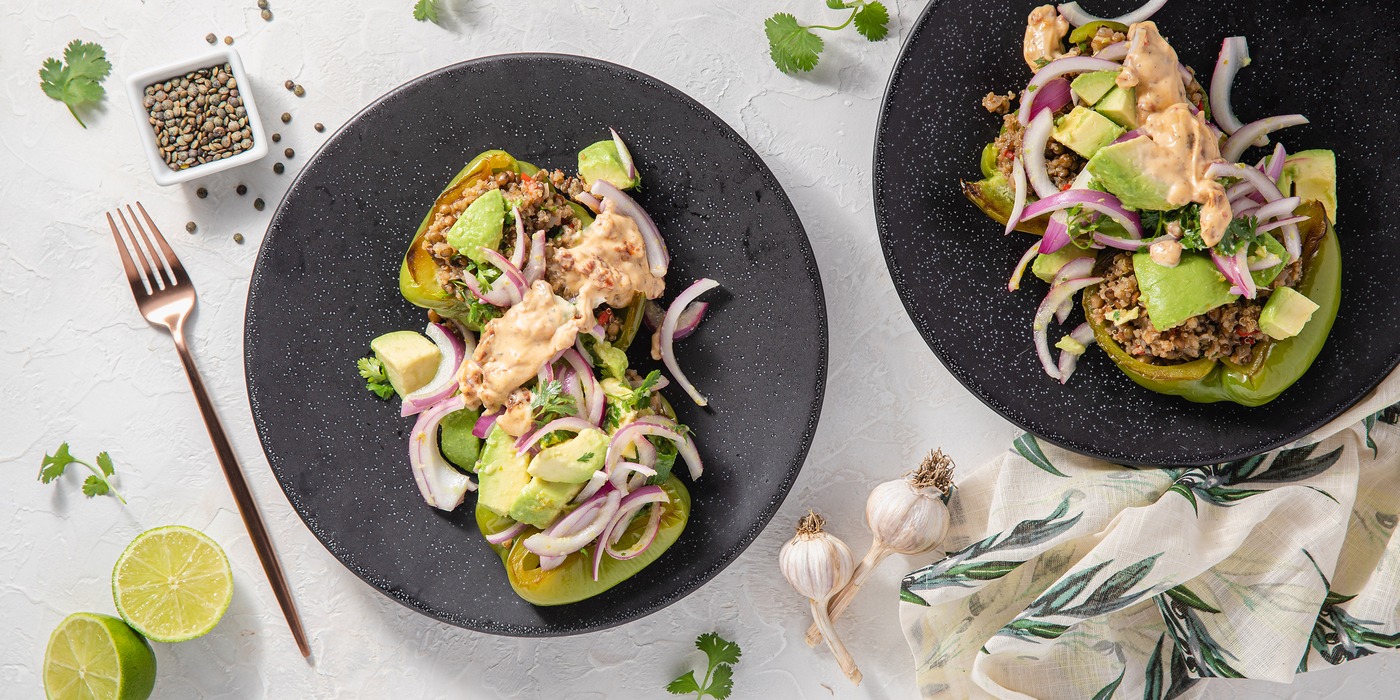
(848, 665)
(837, 605)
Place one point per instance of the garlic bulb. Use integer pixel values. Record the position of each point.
(908, 517)
(818, 565)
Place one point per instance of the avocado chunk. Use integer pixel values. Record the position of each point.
(1265, 277)
(1312, 175)
(409, 359)
(1120, 105)
(480, 226)
(1091, 87)
(601, 161)
(1286, 313)
(1120, 169)
(1174, 294)
(610, 361)
(1085, 131)
(572, 461)
(1046, 265)
(458, 444)
(501, 472)
(541, 501)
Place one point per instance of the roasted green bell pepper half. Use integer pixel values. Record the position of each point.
(1276, 364)
(995, 195)
(573, 581)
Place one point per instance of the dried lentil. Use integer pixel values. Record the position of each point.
(319, 126)
(241, 189)
(286, 117)
(258, 204)
(211, 38)
(278, 168)
(198, 117)
(289, 85)
(276, 138)
(262, 4)
(299, 91)
(237, 238)
(267, 15)
(228, 40)
(289, 153)
(189, 226)
(201, 193)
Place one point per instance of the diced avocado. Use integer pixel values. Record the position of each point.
(1120, 169)
(1091, 87)
(1046, 265)
(540, 502)
(1286, 313)
(601, 161)
(1122, 316)
(409, 359)
(1120, 105)
(501, 472)
(610, 361)
(1174, 294)
(480, 226)
(1071, 346)
(572, 461)
(1085, 131)
(1312, 175)
(1263, 278)
(459, 446)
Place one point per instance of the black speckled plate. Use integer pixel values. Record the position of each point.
(1335, 62)
(326, 283)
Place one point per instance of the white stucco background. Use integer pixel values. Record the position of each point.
(82, 366)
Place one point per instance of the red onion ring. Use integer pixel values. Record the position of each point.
(444, 381)
(1040, 326)
(570, 423)
(502, 296)
(442, 486)
(484, 424)
(668, 334)
(1117, 51)
(1235, 145)
(509, 272)
(627, 163)
(1084, 335)
(1101, 202)
(1051, 71)
(1074, 269)
(1018, 176)
(1056, 233)
(500, 539)
(546, 545)
(588, 200)
(1234, 55)
(635, 501)
(1275, 163)
(1078, 17)
(1033, 142)
(635, 432)
(1278, 207)
(592, 391)
(517, 258)
(1292, 220)
(658, 259)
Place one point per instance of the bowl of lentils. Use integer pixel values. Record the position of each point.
(196, 117)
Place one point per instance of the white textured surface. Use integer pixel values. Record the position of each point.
(83, 366)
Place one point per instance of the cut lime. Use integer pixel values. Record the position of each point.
(172, 584)
(97, 657)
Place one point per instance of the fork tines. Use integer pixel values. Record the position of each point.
(153, 275)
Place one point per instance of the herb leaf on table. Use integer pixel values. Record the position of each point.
(795, 47)
(95, 485)
(719, 677)
(426, 10)
(80, 80)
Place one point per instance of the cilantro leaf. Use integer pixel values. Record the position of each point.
(721, 683)
(792, 46)
(871, 21)
(104, 462)
(80, 80)
(641, 396)
(718, 649)
(684, 684)
(585, 457)
(372, 369)
(552, 400)
(54, 465)
(836, 4)
(426, 10)
(1240, 232)
(94, 486)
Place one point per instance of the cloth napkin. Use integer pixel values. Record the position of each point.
(1069, 577)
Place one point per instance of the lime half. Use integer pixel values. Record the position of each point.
(97, 657)
(172, 584)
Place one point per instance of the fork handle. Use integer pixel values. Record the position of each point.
(247, 507)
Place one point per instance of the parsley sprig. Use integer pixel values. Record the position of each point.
(719, 678)
(372, 369)
(80, 80)
(795, 47)
(426, 10)
(95, 485)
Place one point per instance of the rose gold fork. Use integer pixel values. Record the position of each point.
(165, 296)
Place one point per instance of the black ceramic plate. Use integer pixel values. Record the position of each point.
(1334, 62)
(326, 283)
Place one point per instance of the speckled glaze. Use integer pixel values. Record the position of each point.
(326, 283)
(1334, 62)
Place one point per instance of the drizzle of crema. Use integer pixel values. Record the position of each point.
(515, 346)
(1185, 145)
(606, 263)
(1045, 32)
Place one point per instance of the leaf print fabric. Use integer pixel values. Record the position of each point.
(1068, 577)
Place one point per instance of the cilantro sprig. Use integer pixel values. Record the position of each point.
(377, 381)
(426, 10)
(552, 401)
(795, 47)
(719, 677)
(95, 485)
(80, 80)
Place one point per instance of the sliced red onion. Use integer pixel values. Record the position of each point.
(484, 424)
(1236, 144)
(575, 521)
(1040, 326)
(1014, 283)
(592, 391)
(1052, 95)
(1265, 262)
(1227, 267)
(442, 486)
(688, 322)
(1074, 269)
(1247, 207)
(1186, 77)
(634, 502)
(1101, 202)
(1275, 167)
(626, 156)
(1033, 155)
(1078, 17)
(653, 314)
(668, 334)
(588, 200)
(549, 563)
(597, 332)
(545, 545)
(1056, 233)
(1084, 335)
(1051, 71)
(1241, 189)
(508, 271)
(596, 482)
(1117, 51)
(620, 472)
(1127, 136)
(1278, 207)
(658, 259)
(1292, 220)
(1018, 177)
(1242, 265)
(570, 423)
(534, 267)
(444, 381)
(636, 432)
(662, 421)
(1119, 243)
(1234, 55)
(522, 243)
(648, 536)
(504, 295)
(1291, 240)
(504, 536)
(571, 385)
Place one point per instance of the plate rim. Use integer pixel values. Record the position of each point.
(896, 277)
(753, 528)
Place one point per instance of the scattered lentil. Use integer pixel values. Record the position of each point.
(289, 152)
(286, 117)
(299, 91)
(278, 168)
(319, 126)
(228, 40)
(201, 193)
(211, 38)
(258, 204)
(237, 238)
(289, 85)
(262, 4)
(276, 138)
(189, 226)
(267, 15)
(199, 117)
(241, 189)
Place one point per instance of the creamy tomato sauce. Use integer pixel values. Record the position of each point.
(606, 263)
(514, 347)
(1045, 33)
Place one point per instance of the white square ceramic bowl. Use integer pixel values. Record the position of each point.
(136, 90)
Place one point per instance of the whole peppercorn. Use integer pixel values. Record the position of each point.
(289, 152)
(201, 193)
(278, 168)
(241, 189)
(190, 227)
